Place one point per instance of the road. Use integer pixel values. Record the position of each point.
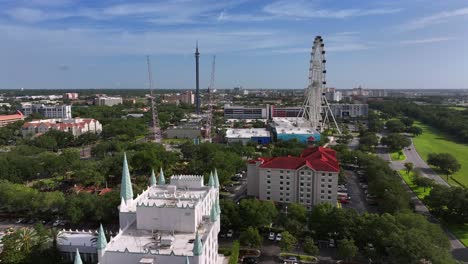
(459, 251)
(358, 198)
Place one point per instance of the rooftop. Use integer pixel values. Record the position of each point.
(292, 125)
(247, 132)
(171, 196)
(157, 242)
(316, 158)
(18, 115)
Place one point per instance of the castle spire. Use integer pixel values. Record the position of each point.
(218, 208)
(101, 240)
(211, 180)
(216, 179)
(161, 179)
(213, 213)
(77, 258)
(197, 246)
(152, 178)
(126, 191)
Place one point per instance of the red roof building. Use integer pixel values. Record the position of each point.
(309, 179)
(8, 119)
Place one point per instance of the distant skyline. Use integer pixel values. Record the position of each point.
(378, 44)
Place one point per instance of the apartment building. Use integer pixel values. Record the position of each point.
(308, 179)
(48, 111)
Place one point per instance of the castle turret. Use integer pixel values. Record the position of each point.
(216, 179)
(126, 190)
(77, 258)
(152, 178)
(197, 246)
(161, 179)
(211, 180)
(101, 244)
(213, 214)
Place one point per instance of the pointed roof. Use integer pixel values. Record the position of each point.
(211, 180)
(152, 178)
(197, 245)
(126, 190)
(218, 208)
(101, 240)
(216, 179)
(213, 213)
(161, 179)
(187, 261)
(77, 258)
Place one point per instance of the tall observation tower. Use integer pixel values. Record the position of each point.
(197, 80)
(316, 109)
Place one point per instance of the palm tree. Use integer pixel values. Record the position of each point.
(26, 239)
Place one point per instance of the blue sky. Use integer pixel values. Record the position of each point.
(258, 44)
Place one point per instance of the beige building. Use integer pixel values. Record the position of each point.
(76, 126)
(309, 179)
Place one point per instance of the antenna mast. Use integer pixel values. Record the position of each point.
(155, 134)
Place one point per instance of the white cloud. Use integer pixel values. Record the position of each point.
(438, 18)
(302, 9)
(424, 41)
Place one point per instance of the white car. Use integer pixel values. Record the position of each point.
(230, 233)
(278, 237)
(271, 236)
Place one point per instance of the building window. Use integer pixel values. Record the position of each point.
(281, 193)
(268, 192)
(329, 174)
(323, 180)
(302, 189)
(308, 189)
(281, 199)
(287, 183)
(329, 197)
(323, 174)
(302, 184)
(281, 182)
(287, 200)
(281, 177)
(329, 192)
(268, 197)
(268, 187)
(287, 171)
(268, 181)
(302, 173)
(308, 196)
(323, 185)
(302, 195)
(287, 189)
(308, 184)
(287, 194)
(329, 186)
(322, 191)
(281, 188)
(268, 176)
(330, 180)
(281, 171)
(321, 197)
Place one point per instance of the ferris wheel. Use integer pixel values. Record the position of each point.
(316, 108)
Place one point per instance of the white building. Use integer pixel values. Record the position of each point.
(245, 135)
(309, 179)
(245, 112)
(175, 223)
(349, 110)
(48, 111)
(107, 100)
(69, 241)
(76, 126)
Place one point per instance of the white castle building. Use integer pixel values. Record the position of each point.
(173, 223)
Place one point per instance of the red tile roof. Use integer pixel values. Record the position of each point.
(17, 116)
(316, 158)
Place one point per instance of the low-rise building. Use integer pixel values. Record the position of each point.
(8, 119)
(245, 135)
(70, 96)
(349, 110)
(245, 112)
(76, 126)
(107, 100)
(309, 179)
(48, 111)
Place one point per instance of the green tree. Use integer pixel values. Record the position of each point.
(408, 122)
(395, 126)
(446, 162)
(310, 247)
(257, 213)
(409, 167)
(251, 237)
(422, 181)
(368, 141)
(234, 258)
(287, 242)
(415, 130)
(396, 142)
(347, 249)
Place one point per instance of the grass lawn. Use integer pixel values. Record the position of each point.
(435, 141)
(300, 257)
(419, 191)
(460, 231)
(395, 156)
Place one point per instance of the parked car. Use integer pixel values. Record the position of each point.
(278, 237)
(250, 260)
(230, 233)
(271, 236)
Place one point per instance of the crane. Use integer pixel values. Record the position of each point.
(155, 133)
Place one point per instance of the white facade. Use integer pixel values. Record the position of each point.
(48, 111)
(349, 110)
(167, 223)
(107, 100)
(245, 135)
(244, 112)
(76, 126)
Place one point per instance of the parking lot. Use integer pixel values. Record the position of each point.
(358, 194)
